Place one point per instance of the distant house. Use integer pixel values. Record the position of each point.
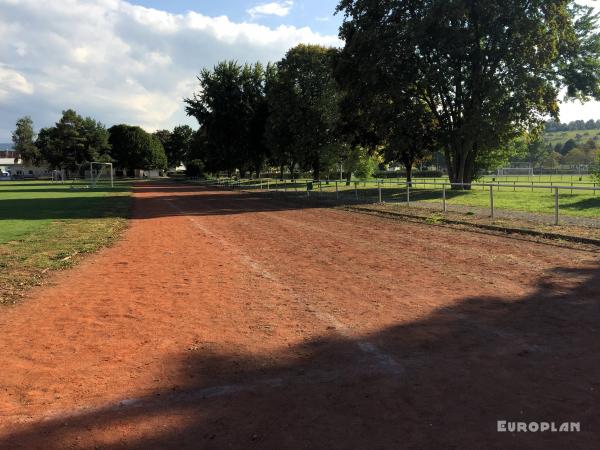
(12, 168)
(137, 173)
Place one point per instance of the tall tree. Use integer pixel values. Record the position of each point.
(23, 137)
(231, 109)
(178, 146)
(68, 137)
(95, 137)
(164, 136)
(133, 148)
(74, 141)
(305, 106)
(488, 70)
(279, 136)
(409, 134)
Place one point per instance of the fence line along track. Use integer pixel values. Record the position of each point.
(339, 192)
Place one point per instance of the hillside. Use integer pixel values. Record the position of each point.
(579, 136)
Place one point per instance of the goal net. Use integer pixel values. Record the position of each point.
(58, 176)
(515, 171)
(101, 174)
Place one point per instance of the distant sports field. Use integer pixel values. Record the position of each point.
(43, 225)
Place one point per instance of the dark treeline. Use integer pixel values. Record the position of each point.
(464, 78)
(576, 125)
(75, 141)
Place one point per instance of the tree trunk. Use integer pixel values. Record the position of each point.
(408, 160)
(281, 170)
(409, 169)
(348, 178)
(460, 160)
(316, 167)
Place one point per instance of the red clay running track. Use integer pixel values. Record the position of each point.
(226, 320)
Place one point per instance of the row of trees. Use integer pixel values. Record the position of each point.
(288, 115)
(576, 125)
(540, 154)
(469, 78)
(72, 140)
(75, 140)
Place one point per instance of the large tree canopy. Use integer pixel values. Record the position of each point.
(231, 109)
(304, 108)
(133, 148)
(73, 141)
(488, 70)
(23, 137)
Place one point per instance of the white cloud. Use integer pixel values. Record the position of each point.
(280, 9)
(12, 83)
(575, 110)
(119, 62)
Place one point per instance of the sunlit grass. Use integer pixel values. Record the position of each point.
(43, 226)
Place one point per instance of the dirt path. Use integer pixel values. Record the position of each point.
(223, 320)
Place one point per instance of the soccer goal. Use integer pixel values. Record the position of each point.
(101, 173)
(527, 171)
(58, 176)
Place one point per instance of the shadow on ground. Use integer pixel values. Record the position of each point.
(202, 200)
(439, 382)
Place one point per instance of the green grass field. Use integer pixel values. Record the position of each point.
(43, 225)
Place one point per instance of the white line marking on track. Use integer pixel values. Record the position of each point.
(383, 360)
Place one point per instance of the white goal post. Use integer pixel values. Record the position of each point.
(101, 169)
(504, 171)
(58, 176)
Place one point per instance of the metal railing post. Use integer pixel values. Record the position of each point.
(444, 207)
(556, 206)
(379, 187)
(337, 194)
(492, 200)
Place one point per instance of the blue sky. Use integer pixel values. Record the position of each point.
(316, 14)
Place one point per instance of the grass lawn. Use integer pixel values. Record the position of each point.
(575, 203)
(43, 226)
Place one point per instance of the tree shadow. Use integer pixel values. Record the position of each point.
(46, 190)
(76, 207)
(583, 204)
(442, 381)
(185, 201)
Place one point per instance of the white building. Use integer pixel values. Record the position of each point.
(12, 168)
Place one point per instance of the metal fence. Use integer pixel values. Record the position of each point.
(379, 191)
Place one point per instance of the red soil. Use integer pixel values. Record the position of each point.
(228, 320)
